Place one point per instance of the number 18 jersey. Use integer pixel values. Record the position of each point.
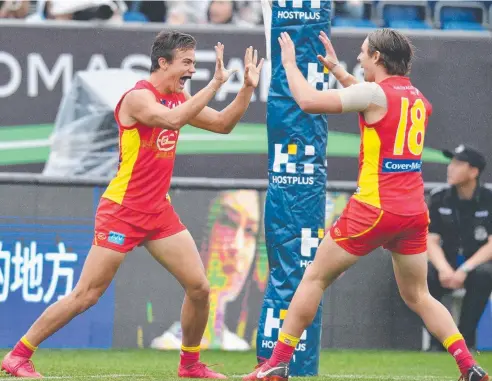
(390, 159)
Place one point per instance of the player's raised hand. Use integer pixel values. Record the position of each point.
(221, 73)
(288, 49)
(330, 60)
(251, 69)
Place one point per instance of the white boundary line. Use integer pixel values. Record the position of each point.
(373, 377)
(100, 376)
(24, 144)
(236, 376)
(382, 376)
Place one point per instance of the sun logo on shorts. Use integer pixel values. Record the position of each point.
(338, 233)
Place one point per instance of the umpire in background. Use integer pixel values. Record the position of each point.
(460, 239)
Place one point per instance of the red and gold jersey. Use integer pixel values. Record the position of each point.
(390, 161)
(146, 159)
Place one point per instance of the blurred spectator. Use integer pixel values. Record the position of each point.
(228, 12)
(222, 11)
(350, 9)
(40, 13)
(154, 11)
(241, 12)
(460, 239)
(187, 12)
(14, 9)
(251, 12)
(85, 10)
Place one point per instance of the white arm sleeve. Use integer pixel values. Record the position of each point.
(358, 97)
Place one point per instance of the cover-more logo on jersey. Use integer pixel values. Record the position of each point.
(309, 244)
(293, 165)
(273, 323)
(401, 165)
(298, 13)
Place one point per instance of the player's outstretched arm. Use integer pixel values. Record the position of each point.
(143, 107)
(330, 61)
(309, 99)
(360, 97)
(224, 121)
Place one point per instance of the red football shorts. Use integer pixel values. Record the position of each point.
(362, 228)
(121, 229)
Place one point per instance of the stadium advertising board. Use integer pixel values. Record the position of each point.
(228, 230)
(37, 64)
(235, 257)
(143, 304)
(43, 247)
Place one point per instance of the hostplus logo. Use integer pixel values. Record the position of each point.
(309, 244)
(292, 164)
(273, 324)
(297, 13)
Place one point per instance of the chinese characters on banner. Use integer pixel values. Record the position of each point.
(23, 267)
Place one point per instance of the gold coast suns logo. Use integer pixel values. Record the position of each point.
(166, 141)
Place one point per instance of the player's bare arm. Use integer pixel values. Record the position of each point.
(224, 121)
(309, 99)
(330, 61)
(142, 106)
(364, 97)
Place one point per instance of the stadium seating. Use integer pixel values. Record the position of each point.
(352, 22)
(342, 19)
(409, 24)
(134, 16)
(490, 15)
(445, 15)
(404, 14)
(460, 15)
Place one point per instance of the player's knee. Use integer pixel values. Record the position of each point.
(85, 299)
(315, 275)
(90, 299)
(413, 298)
(199, 292)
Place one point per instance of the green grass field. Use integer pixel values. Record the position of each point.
(146, 365)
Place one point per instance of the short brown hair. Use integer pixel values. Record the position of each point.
(396, 50)
(165, 45)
